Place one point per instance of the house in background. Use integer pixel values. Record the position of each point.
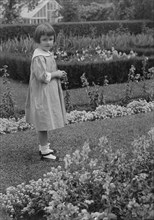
(46, 10)
(1, 11)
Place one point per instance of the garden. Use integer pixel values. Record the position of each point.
(106, 162)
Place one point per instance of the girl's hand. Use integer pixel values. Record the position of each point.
(61, 74)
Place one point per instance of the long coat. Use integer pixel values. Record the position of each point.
(44, 107)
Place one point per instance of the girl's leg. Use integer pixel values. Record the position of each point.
(43, 138)
(45, 151)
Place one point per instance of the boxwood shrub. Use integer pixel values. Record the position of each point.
(76, 28)
(18, 66)
(116, 71)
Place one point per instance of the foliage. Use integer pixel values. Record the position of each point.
(143, 9)
(69, 10)
(24, 46)
(94, 12)
(7, 106)
(115, 185)
(116, 70)
(148, 93)
(119, 10)
(133, 9)
(111, 111)
(118, 39)
(95, 94)
(67, 98)
(10, 31)
(88, 2)
(11, 11)
(12, 125)
(12, 8)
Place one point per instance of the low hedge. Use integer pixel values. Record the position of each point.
(103, 27)
(116, 71)
(18, 66)
(76, 28)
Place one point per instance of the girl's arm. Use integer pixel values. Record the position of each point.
(39, 69)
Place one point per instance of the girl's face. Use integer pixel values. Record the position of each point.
(46, 42)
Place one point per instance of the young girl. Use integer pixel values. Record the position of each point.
(44, 106)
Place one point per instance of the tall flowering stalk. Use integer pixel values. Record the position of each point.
(129, 87)
(96, 97)
(67, 98)
(7, 105)
(147, 74)
(148, 93)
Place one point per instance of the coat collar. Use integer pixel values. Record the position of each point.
(40, 52)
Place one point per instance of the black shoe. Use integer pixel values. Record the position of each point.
(49, 156)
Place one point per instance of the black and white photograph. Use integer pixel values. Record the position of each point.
(76, 109)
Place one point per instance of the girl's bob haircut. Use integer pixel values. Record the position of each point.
(43, 29)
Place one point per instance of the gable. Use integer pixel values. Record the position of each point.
(40, 9)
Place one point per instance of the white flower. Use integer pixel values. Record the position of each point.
(151, 133)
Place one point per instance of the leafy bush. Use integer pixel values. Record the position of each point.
(10, 31)
(116, 185)
(115, 70)
(75, 28)
(18, 66)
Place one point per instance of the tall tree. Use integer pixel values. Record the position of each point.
(10, 11)
(133, 9)
(12, 8)
(69, 10)
(94, 12)
(143, 9)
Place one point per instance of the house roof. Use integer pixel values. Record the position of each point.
(26, 13)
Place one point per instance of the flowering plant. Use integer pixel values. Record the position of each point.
(95, 94)
(101, 112)
(93, 54)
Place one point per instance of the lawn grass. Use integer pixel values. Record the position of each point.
(20, 161)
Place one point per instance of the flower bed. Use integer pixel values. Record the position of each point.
(101, 112)
(93, 54)
(113, 185)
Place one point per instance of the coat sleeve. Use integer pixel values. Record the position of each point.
(39, 69)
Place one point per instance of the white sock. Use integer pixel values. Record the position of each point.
(42, 148)
(46, 150)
